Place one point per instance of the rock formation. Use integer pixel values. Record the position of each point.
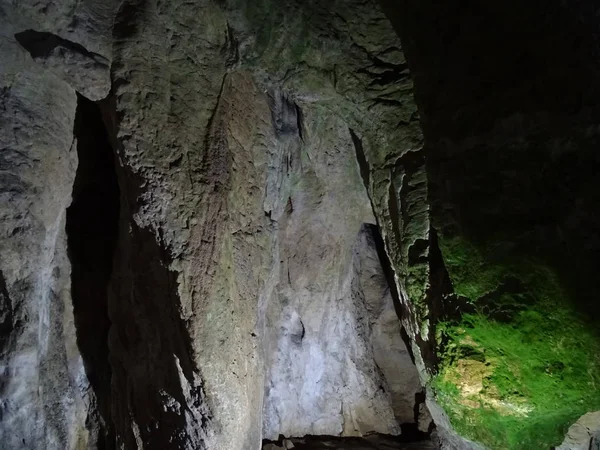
(583, 434)
(229, 224)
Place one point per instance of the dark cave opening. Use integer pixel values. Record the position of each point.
(92, 229)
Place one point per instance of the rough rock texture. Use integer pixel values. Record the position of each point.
(230, 270)
(255, 198)
(332, 315)
(46, 399)
(583, 434)
(225, 224)
(43, 388)
(71, 38)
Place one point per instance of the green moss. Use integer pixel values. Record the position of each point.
(522, 365)
(416, 282)
(471, 273)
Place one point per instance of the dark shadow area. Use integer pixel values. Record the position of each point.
(40, 44)
(426, 347)
(510, 132)
(148, 340)
(474, 62)
(154, 376)
(6, 314)
(388, 272)
(92, 224)
(371, 442)
(129, 15)
(126, 305)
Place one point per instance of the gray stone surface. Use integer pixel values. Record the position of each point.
(73, 39)
(43, 387)
(248, 180)
(243, 265)
(583, 434)
(246, 297)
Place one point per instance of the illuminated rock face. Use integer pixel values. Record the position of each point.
(583, 434)
(337, 364)
(227, 220)
(202, 246)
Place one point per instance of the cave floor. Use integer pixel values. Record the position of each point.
(372, 442)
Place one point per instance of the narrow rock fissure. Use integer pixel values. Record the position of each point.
(363, 164)
(6, 314)
(384, 260)
(410, 431)
(41, 44)
(388, 272)
(92, 226)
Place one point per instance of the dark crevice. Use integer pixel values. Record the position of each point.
(6, 314)
(418, 251)
(388, 77)
(397, 218)
(92, 224)
(411, 432)
(440, 298)
(388, 272)
(299, 121)
(374, 441)
(232, 47)
(41, 44)
(386, 102)
(407, 343)
(361, 158)
(419, 400)
(209, 136)
(286, 115)
(127, 18)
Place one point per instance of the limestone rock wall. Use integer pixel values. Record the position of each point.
(224, 282)
(218, 220)
(250, 185)
(43, 385)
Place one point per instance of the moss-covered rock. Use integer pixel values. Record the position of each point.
(519, 364)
